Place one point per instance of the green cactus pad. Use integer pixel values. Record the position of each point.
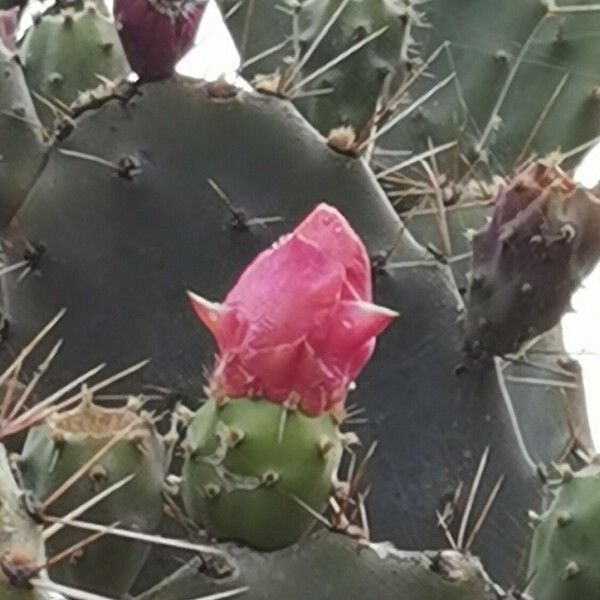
(21, 143)
(57, 449)
(331, 566)
(523, 80)
(462, 70)
(165, 223)
(564, 555)
(21, 545)
(369, 36)
(70, 53)
(255, 471)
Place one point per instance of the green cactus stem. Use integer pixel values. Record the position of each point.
(21, 545)
(564, 553)
(69, 53)
(64, 443)
(335, 567)
(21, 137)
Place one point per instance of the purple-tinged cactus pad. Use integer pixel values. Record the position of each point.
(541, 241)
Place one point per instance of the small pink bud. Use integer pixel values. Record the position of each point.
(8, 28)
(156, 34)
(299, 324)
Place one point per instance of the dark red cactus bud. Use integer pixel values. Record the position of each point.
(542, 240)
(156, 34)
(8, 27)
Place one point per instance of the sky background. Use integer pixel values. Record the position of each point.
(215, 54)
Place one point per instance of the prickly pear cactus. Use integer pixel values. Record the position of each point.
(428, 109)
(257, 472)
(483, 59)
(304, 571)
(21, 545)
(562, 560)
(461, 70)
(271, 158)
(68, 53)
(129, 452)
(529, 259)
(21, 139)
(348, 64)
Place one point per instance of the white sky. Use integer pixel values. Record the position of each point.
(215, 54)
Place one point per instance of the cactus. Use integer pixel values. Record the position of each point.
(528, 260)
(272, 158)
(256, 471)
(21, 545)
(456, 73)
(562, 558)
(350, 93)
(494, 57)
(157, 34)
(303, 571)
(127, 446)
(150, 189)
(245, 478)
(21, 141)
(68, 53)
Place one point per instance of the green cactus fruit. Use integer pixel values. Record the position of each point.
(55, 450)
(21, 545)
(256, 472)
(70, 53)
(331, 566)
(21, 142)
(563, 562)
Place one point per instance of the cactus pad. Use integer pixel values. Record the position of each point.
(563, 559)
(21, 142)
(69, 53)
(54, 451)
(335, 567)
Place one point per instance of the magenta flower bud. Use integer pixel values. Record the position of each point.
(299, 324)
(156, 34)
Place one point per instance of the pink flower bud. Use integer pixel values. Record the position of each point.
(299, 324)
